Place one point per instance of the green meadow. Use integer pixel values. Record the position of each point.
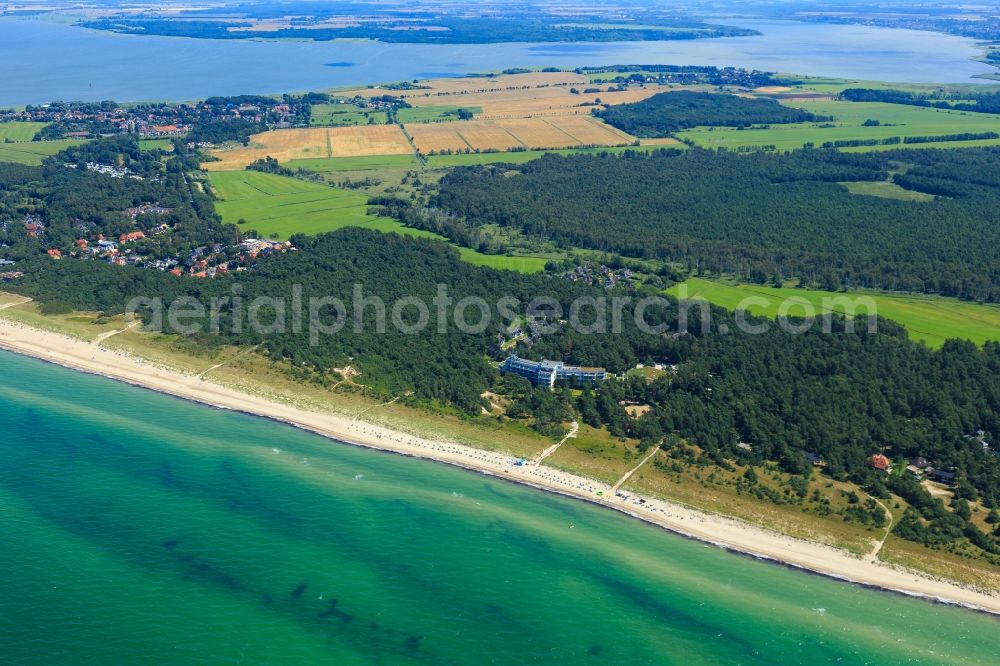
(279, 206)
(327, 115)
(887, 190)
(848, 124)
(932, 319)
(522, 156)
(502, 261)
(32, 153)
(15, 131)
(432, 114)
(16, 143)
(155, 144)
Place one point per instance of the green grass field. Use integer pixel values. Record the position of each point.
(932, 319)
(332, 115)
(155, 144)
(369, 163)
(33, 152)
(887, 190)
(520, 157)
(896, 120)
(513, 263)
(19, 131)
(278, 206)
(432, 114)
(16, 143)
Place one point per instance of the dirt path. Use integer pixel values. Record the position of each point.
(628, 475)
(384, 404)
(873, 556)
(552, 449)
(104, 336)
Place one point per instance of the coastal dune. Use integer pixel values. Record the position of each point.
(721, 531)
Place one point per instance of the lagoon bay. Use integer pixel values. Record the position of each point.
(140, 526)
(49, 61)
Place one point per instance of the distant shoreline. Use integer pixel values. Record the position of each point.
(727, 533)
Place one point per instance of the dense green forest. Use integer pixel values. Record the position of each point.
(763, 217)
(667, 112)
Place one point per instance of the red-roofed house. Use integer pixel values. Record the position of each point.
(55, 254)
(131, 236)
(879, 462)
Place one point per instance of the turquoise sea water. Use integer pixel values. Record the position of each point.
(43, 61)
(136, 527)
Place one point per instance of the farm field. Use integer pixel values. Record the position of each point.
(849, 117)
(522, 156)
(296, 144)
(19, 131)
(932, 319)
(529, 133)
(279, 206)
(535, 94)
(326, 115)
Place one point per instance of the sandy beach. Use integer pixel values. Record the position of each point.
(721, 531)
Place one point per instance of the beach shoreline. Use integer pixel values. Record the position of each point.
(720, 531)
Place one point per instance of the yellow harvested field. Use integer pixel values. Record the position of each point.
(532, 133)
(517, 95)
(435, 138)
(368, 140)
(537, 133)
(297, 144)
(591, 131)
(487, 134)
